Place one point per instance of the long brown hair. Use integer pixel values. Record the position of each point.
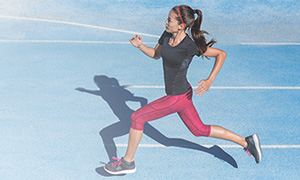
(188, 17)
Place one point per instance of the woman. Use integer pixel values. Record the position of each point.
(177, 50)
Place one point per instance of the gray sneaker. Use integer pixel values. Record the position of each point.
(253, 147)
(120, 167)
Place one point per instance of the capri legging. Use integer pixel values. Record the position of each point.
(182, 104)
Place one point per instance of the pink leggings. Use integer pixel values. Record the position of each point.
(182, 104)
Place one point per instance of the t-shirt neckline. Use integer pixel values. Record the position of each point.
(178, 43)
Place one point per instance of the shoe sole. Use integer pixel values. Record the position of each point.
(257, 146)
(130, 171)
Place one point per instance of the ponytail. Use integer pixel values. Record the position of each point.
(186, 16)
(198, 35)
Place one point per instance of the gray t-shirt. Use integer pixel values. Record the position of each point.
(176, 61)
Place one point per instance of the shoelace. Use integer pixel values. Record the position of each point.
(119, 161)
(249, 154)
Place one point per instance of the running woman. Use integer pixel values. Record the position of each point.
(177, 50)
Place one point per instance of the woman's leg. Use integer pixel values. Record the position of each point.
(222, 133)
(251, 143)
(152, 111)
(191, 118)
(135, 137)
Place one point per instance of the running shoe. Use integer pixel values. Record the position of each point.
(120, 167)
(253, 147)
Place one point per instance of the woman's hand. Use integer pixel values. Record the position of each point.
(204, 85)
(136, 41)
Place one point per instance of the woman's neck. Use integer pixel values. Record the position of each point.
(177, 38)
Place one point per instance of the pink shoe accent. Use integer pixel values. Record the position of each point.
(249, 154)
(119, 161)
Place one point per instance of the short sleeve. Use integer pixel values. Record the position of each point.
(192, 50)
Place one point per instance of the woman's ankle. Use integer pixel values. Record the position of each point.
(128, 159)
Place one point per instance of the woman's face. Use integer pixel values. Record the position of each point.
(172, 25)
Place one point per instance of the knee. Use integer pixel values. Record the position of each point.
(200, 134)
(134, 118)
(203, 131)
(137, 122)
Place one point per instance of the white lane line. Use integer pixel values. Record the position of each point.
(226, 87)
(67, 41)
(221, 146)
(272, 44)
(76, 24)
(116, 42)
(256, 87)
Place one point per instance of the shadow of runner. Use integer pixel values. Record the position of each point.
(116, 97)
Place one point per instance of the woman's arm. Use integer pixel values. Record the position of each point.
(154, 53)
(220, 56)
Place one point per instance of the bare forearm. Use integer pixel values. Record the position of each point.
(149, 51)
(217, 67)
(220, 56)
